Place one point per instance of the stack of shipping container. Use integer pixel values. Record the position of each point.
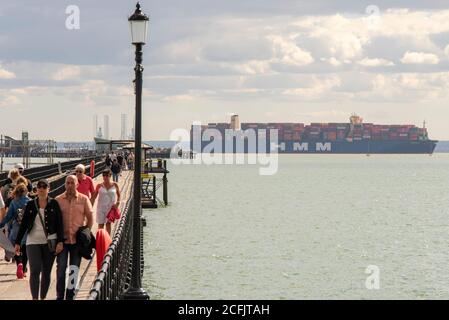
(333, 131)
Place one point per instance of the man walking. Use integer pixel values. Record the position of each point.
(76, 212)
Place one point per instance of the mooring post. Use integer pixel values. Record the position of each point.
(154, 188)
(165, 184)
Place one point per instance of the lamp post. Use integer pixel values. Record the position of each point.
(139, 26)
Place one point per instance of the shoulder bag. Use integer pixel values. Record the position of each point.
(51, 242)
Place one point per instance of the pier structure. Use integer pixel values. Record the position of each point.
(117, 265)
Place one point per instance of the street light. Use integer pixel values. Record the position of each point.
(139, 25)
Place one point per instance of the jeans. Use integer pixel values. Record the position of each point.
(41, 261)
(71, 252)
(115, 177)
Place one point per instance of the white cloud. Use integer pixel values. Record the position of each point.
(367, 62)
(419, 58)
(318, 89)
(287, 52)
(7, 100)
(66, 72)
(5, 74)
(251, 67)
(332, 61)
(446, 50)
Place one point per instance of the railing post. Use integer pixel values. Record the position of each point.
(165, 184)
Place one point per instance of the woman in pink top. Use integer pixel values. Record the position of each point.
(85, 183)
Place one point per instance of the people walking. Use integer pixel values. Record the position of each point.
(21, 169)
(115, 169)
(76, 211)
(13, 219)
(9, 184)
(120, 159)
(131, 161)
(42, 221)
(108, 161)
(108, 198)
(85, 183)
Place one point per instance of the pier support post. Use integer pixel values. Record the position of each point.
(154, 188)
(165, 184)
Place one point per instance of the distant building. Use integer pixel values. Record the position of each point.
(99, 133)
(95, 125)
(123, 127)
(106, 127)
(235, 122)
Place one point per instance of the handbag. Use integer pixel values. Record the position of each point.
(50, 242)
(113, 214)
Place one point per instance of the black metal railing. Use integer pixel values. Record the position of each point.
(114, 277)
(57, 186)
(34, 174)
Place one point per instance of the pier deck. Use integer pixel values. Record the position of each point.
(13, 289)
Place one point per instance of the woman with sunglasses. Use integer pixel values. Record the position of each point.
(42, 221)
(108, 198)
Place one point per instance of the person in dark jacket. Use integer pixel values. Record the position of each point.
(42, 221)
(85, 241)
(116, 169)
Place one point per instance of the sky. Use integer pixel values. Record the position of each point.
(268, 61)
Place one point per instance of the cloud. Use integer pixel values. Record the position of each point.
(446, 50)
(318, 88)
(67, 72)
(5, 74)
(419, 58)
(7, 100)
(367, 62)
(287, 52)
(332, 61)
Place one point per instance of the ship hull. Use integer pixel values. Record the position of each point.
(333, 147)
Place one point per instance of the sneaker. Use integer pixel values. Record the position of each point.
(19, 272)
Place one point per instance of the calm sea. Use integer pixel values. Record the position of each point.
(8, 163)
(310, 231)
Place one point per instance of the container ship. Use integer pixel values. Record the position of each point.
(345, 138)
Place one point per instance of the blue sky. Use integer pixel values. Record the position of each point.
(302, 61)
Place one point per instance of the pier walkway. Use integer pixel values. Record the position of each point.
(13, 289)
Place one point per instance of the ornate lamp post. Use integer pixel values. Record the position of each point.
(139, 26)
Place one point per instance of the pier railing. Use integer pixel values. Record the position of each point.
(57, 186)
(114, 277)
(51, 170)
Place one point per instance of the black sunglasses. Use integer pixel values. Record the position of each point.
(42, 186)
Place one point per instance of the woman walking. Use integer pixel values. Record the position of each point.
(42, 220)
(108, 198)
(10, 183)
(14, 219)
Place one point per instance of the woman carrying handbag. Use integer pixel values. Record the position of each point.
(42, 221)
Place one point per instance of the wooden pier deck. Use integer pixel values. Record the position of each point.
(13, 289)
